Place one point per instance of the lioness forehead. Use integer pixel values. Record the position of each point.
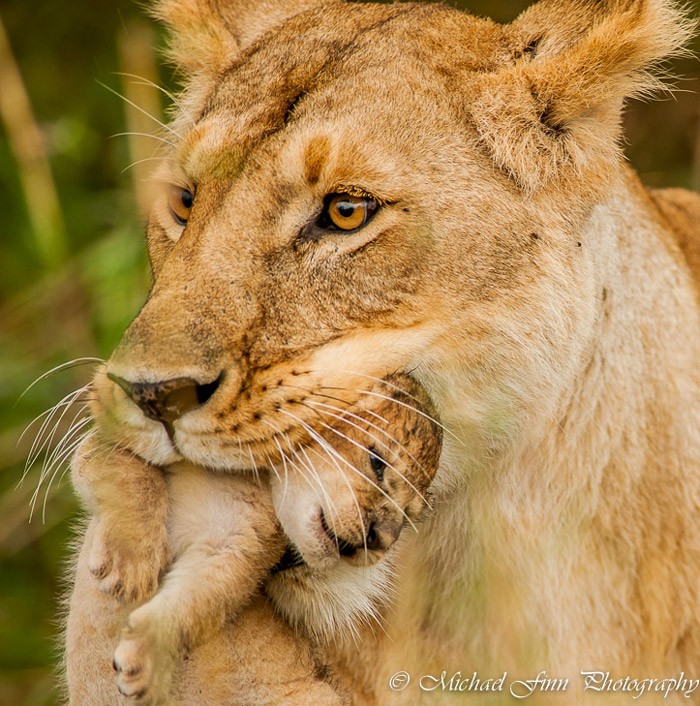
(335, 51)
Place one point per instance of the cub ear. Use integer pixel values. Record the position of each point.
(206, 35)
(559, 104)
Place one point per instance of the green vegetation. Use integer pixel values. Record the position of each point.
(73, 270)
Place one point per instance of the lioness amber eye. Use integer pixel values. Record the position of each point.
(180, 201)
(346, 212)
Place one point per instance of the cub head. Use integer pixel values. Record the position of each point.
(348, 495)
(355, 189)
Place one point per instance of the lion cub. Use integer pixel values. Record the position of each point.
(226, 541)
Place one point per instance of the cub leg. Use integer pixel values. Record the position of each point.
(128, 542)
(257, 660)
(93, 624)
(225, 540)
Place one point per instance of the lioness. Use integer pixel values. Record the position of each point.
(225, 540)
(356, 189)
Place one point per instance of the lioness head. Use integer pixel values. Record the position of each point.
(356, 189)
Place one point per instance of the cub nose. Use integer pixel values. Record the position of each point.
(168, 400)
(380, 536)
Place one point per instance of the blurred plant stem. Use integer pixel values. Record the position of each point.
(76, 275)
(137, 60)
(34, 170)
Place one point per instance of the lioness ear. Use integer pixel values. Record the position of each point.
(206, 35)
(559, 103)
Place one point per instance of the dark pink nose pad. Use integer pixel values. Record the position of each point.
(168, 400)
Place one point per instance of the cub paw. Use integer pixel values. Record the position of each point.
(143, 666)
(129, 571)
(99, 558)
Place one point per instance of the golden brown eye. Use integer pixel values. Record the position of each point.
(180, 201)
(347, 212)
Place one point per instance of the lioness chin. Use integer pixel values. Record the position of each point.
(356, 189)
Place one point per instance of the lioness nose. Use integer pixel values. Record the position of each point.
(168, 400)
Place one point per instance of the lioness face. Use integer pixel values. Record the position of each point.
(348, 495)
(329, 214)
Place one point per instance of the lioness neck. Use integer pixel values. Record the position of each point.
(578, 510)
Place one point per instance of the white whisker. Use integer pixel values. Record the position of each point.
(347, 413)
(149, 135)
(324, 443)
(283, 457)
(141, 110)
(271, 466)
(43, 440)
(332, 454)
(61, 453)
(63, 366)
(141, 161)
(352, 492)
(76, 422)
(332, 510)
(318, 488)
(51, 410)
(402, 404)
(387, 463)
(68, 452)
(143, 81)
(256, 473)
(376, 440)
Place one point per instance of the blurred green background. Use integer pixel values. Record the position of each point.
(72, 266)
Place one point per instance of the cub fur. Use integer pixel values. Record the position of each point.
(509, 259)
(224, 539)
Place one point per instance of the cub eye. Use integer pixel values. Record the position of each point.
(378, 464)
(346, 212)
(180, 201)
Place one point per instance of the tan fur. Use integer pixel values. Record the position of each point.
(516, 266)
(225, 539)
(681, 211)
